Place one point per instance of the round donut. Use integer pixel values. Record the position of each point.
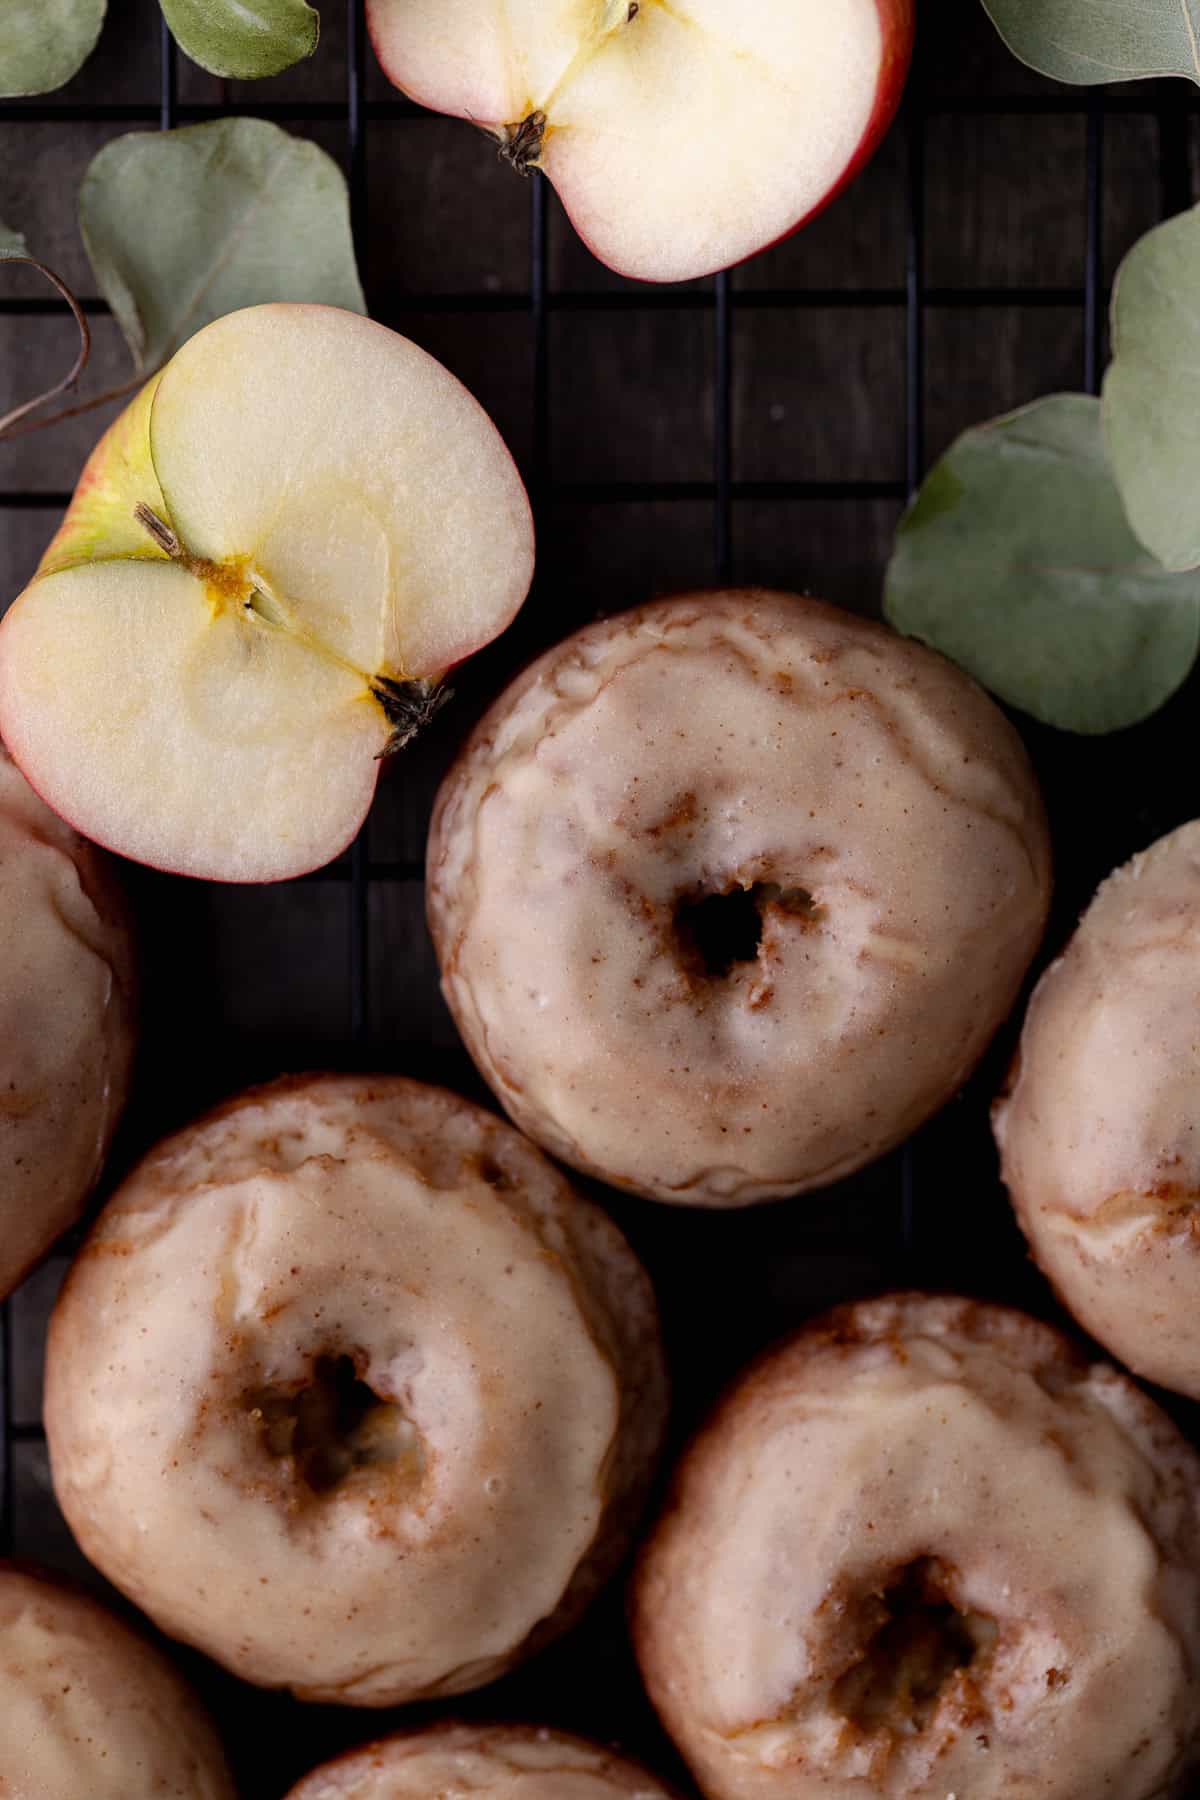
(91, 1711)
(349, 1389)
(1099, 1129)
(66, 1022)
(926, 1548)
(509, 1762)
(730, 893)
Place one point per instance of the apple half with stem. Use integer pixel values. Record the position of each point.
(682, 135)
(271, 560)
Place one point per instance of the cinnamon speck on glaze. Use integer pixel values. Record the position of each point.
(91, 1710)
(67, 1022)
(506, 1762)
(1099, 1129)
(730, 892)
(926, 1547)
(349, 1389)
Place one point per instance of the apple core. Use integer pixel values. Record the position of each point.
(681, 135)
(271, 560)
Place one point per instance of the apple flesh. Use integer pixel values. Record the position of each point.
(272, 558)
(681, 135)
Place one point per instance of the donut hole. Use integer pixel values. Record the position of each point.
(715, 931)
(333, 1425)
(920, 1643)
(494, 1173)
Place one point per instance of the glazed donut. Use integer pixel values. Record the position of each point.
(730, 893)
(66, 1022)
(91, 1711)
(510, 1762)
(1098, 1131)
(925, 1548)
(349, 1389)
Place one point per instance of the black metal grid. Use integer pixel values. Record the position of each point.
(901, 1196)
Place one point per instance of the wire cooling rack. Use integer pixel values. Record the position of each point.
(930, 1214)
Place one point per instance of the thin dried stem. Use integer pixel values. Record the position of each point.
(10, 419)
(161, 532)
(85, 406)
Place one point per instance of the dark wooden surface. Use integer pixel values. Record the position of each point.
(243, 983)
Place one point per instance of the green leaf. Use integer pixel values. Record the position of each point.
(1092, 41)
(44, 42)
(12, 243)
(1017, 561)
(182, 226)
(1152, 390)
(243, 39)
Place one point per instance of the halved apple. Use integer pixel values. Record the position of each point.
(682, 135)
(271, 560)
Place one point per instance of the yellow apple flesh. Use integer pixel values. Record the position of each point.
(271, 560)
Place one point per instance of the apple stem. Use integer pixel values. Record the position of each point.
(77, 367)
(521, 144)
(162, 534)
(408, 707)
(171, 545)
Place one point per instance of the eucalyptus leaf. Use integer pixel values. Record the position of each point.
(243, 40)
(12, 243)
(1093, 41)
(1017, 561)
(1152, 390)
(183, 226)
(44, 42)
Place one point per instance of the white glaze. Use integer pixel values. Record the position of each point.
(1058, 1502)
(503, 1317)
(66, 1022)
(505, 1762)
(90, 1711)
(1100, 1132)
(699, 745)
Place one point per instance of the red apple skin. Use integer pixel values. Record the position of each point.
(98, 481)
(227, 880)
(102, 843)
(187, 874)
(898, 20)
(231, 880)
